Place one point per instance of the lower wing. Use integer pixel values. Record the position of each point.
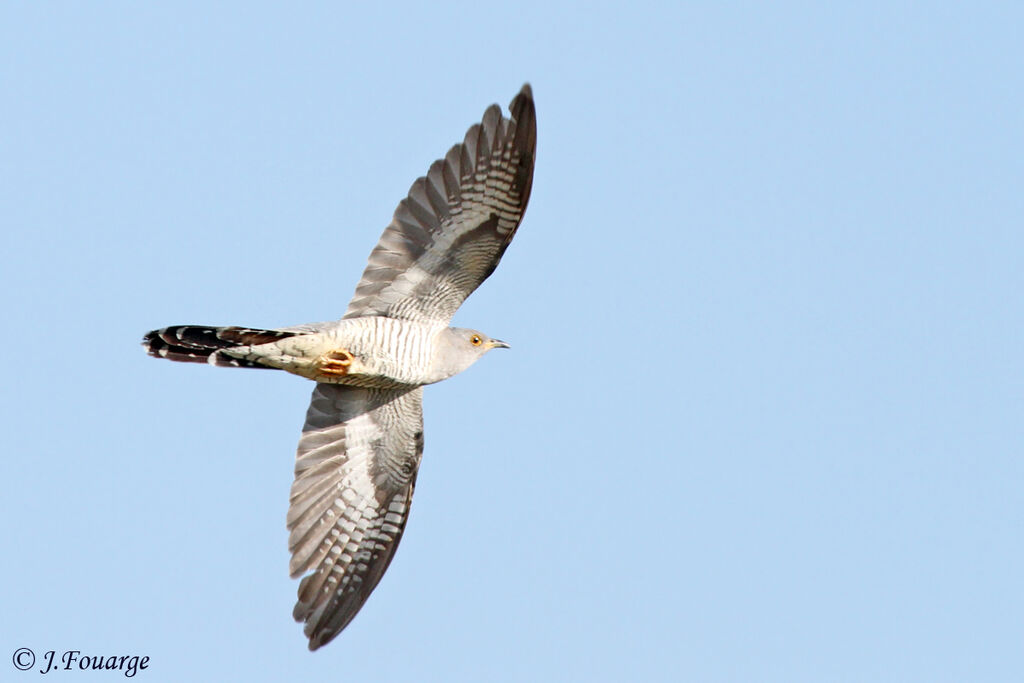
(354, 477)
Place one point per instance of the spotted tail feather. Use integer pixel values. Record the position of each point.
(201, 344)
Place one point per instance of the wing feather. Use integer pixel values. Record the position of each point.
(354, 476)
(449, 233)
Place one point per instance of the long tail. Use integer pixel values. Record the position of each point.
(201, 344)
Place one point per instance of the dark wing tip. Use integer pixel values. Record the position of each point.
(318, 640)
(525, 142)
(524, 112)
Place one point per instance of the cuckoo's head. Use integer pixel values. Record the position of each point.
(458, 348)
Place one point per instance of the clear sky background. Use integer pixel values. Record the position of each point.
(762, 417)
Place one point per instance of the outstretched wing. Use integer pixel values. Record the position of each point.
(354, 477)
(448, 235)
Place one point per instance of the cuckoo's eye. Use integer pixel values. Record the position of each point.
(475, 340)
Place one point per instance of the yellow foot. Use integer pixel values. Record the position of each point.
(335, 363)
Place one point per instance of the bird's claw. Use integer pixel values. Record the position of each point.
(336, 363)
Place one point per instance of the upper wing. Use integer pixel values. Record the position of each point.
(448, 235)
(354, 477)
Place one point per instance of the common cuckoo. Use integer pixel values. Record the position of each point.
(361, 445)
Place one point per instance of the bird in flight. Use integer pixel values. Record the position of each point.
(362, 442)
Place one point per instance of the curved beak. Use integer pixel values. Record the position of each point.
(498, 344)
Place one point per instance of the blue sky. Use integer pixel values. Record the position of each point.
(761, 420)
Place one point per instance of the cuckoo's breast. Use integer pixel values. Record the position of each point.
(384, 351)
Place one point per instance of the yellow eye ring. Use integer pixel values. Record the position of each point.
(475, 340)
